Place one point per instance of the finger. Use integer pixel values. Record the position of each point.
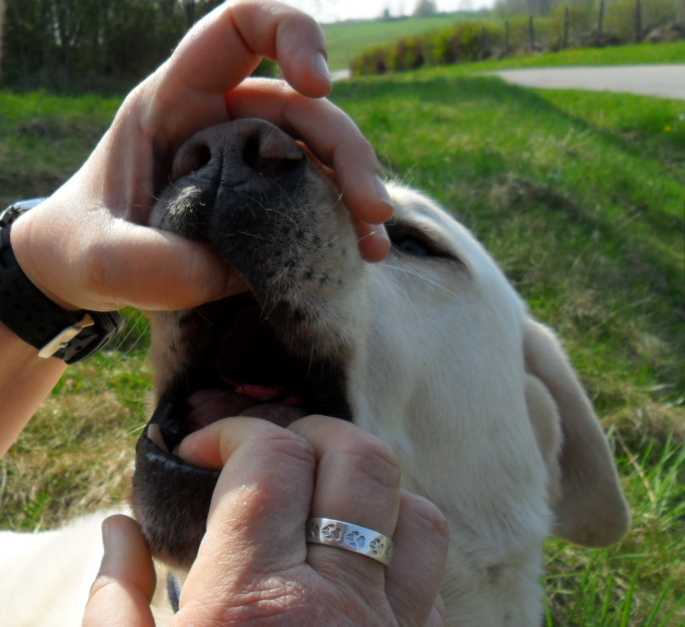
(257, 517)
(357, 481)
(155, 270)
(121, 594)
(235, 38)
(414, 575)
(437, 615)
(331, 135)
(224, 48)
(300, 43)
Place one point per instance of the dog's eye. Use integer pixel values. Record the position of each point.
(412, 242)
(414, 246)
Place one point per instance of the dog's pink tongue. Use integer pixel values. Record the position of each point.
(208, 406)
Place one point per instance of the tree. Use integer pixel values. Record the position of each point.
(76, 43)
(425, 8)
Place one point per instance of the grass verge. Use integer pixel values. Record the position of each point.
(632, 54)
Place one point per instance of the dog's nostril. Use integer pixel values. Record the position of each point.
(190, 158)
(271, 156)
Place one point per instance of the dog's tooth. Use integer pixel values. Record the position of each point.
(154, 433)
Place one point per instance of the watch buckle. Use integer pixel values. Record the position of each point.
(62, 339)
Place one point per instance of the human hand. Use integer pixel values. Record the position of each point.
(254, 563)
(86, 246)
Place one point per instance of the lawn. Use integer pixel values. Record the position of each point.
(579, 196)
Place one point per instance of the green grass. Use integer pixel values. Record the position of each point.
(346, 40)
(44, 138)
(579, 195)
(644, 53)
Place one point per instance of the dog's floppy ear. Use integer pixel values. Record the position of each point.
(585, 493)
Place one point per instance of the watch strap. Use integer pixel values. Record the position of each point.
(30, 314)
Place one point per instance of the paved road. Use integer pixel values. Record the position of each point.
(340, 75)
(663, 81)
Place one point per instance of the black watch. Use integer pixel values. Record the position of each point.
(40, 322)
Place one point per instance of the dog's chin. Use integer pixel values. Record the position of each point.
(245, 369)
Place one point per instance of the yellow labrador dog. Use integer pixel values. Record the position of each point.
(432, 350)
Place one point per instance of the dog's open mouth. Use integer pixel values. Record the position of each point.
(245, 370)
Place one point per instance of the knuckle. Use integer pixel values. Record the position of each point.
(375, 459)
(286, 443)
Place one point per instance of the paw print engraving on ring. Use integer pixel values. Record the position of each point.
(313, 530)
(377, 546)
(355, 540)
(332, 532)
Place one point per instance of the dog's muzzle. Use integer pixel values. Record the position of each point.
(252, 192)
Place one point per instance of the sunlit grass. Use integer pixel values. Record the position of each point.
(44, 138)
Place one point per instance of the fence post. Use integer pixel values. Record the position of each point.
(2, 30)
(566, 21)
(531, 32)
(679, 12)
(638, 20)
(600, 19)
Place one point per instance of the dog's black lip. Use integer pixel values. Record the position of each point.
(169, 415)
(170, 462)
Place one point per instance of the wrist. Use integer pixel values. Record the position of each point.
(31, 314)
(22, 247)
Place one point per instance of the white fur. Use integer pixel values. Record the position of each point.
(46, 576)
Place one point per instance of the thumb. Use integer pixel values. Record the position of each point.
(151, 269)
(121, 594)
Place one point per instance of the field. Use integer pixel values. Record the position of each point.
(347, 40)
(579, 196)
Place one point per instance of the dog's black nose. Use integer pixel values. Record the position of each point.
(241, 154)
(232, 179)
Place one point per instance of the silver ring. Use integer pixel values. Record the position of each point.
(344, 535)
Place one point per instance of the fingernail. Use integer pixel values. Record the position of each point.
(106, 534)
(382, 194)
(320, 66)
(381, 233)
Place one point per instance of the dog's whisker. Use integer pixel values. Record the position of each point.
(136, 430)
(253, 235)
(406, 296)
(419, 276)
